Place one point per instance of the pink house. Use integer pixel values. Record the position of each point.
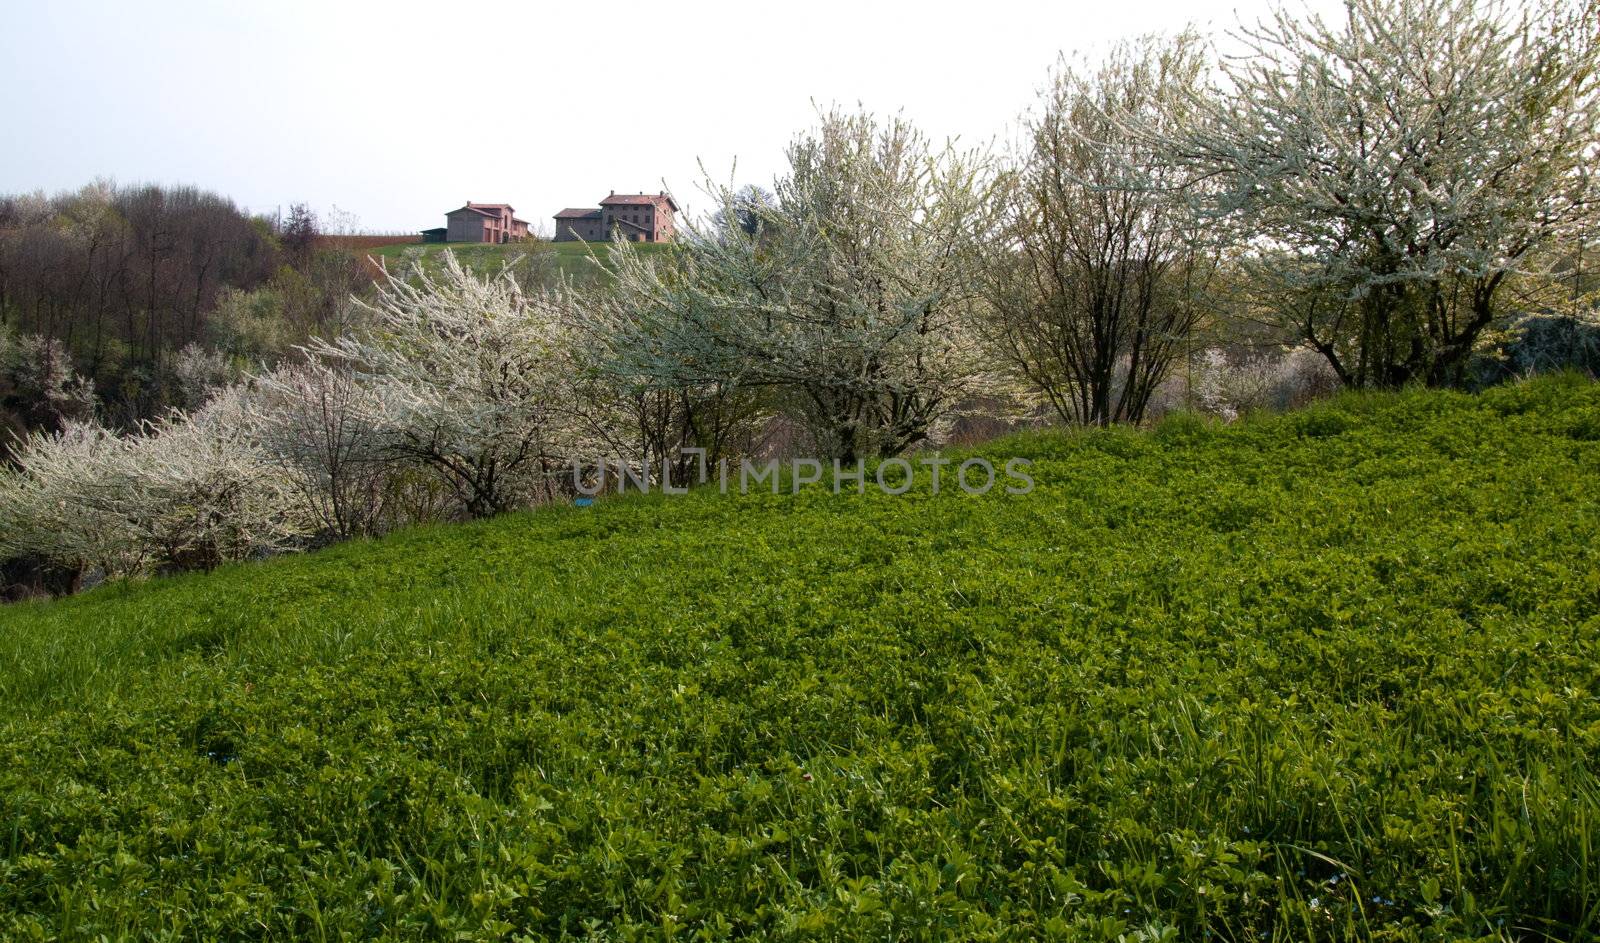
(485, 222)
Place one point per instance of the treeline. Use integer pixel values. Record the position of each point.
(134, 288)
(1401, 197)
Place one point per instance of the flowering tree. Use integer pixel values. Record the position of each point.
(851, 297)
(1101, 270)
(645, 399)
(470, 377)
(1394, 171)
(38, 387)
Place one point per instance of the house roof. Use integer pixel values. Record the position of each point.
(436, 229)
(639, 199)
(491, 210)
(571, 213)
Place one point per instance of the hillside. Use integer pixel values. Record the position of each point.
(571, 258)
(1325, 675)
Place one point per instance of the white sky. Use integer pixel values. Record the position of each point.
(399, 111)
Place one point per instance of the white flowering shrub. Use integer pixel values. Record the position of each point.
(199, 372)
(60, 504)
(191, 492)
(38, 387)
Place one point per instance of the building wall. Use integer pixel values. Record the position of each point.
(570, 230)
(657, 218)
(464, 227)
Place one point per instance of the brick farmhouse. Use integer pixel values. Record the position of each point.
(637, 217)
(480, 222)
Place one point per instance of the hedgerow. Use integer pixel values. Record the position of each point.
(1328, 675)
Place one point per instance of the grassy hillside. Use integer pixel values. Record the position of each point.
(1328, 675)
(571, 258)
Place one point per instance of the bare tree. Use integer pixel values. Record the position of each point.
(299, 235)
(1101, 271)
(123, 278)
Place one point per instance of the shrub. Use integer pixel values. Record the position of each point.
(199, 373)
(1535, 344)
(323, 430)
(62, 503)
(190, 492)
(1230, 385)
(38, 387)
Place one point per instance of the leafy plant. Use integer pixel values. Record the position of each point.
(1295, 678)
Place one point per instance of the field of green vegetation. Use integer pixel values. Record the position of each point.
(1325, 675)
(571, 258)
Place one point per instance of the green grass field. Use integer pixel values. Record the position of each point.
(1326, 675)
(570, 258)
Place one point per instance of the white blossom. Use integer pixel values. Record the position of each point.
(189, 492)
(851, 298)
(1392, 170)
(471, 377)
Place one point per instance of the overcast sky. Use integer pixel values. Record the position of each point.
(397, 111)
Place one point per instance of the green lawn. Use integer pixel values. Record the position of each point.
(1327, 675)
(571, 258)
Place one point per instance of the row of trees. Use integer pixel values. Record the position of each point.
(1379, 191)
(125, 279)
(1382, 189)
